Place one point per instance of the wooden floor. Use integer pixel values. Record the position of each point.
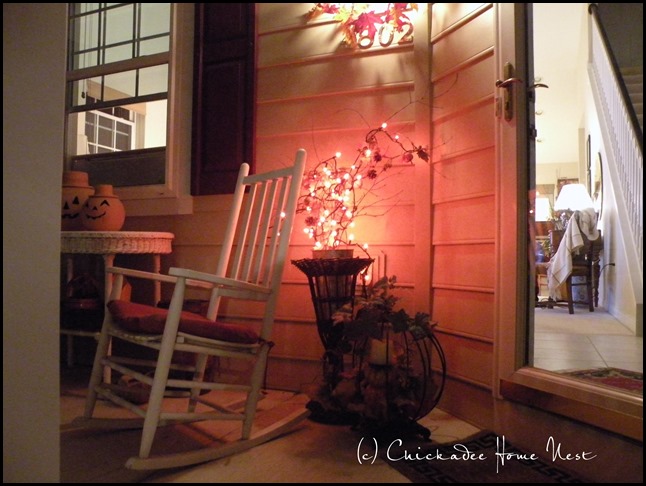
(312, 452)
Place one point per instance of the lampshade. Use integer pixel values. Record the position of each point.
(573, 197)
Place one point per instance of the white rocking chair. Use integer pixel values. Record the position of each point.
(257, 240)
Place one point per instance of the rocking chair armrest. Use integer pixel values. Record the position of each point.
(128, 272)
(159, 277)
(224, 282)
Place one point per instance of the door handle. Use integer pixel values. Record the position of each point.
(531, 90)
(507, 84)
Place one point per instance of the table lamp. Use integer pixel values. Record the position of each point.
(573, 197)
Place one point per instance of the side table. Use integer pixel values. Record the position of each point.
(108, 244)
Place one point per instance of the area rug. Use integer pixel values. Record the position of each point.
(631, 381)
(482, 458)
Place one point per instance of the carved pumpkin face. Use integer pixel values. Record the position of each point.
(103, 211)
(73, 200)
(98, 208)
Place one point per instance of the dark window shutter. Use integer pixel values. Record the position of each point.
(224, 95)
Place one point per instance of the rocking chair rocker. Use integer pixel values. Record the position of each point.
(250, 268)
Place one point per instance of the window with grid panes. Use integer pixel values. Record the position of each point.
(117, 91)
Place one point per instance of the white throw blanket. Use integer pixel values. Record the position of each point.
(560, 267)
(587, 219)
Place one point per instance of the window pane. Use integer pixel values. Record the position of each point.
(119, 24)
(155, 126)
(92, 90)
(86, 59)
(120, 85)
(90, 118)
(79, 8)
(123, 137)
(153, 80)
(155, 19)
(118, 53)
(122, 142)
(105, 122)
(78, 94)
(154, 46)
(84, 40)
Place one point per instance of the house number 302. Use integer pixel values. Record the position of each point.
(386, 35)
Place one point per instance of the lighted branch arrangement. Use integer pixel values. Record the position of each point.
(362, 24)
(334, 194)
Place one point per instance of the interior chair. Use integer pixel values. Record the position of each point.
(585, 271)
(249, 268)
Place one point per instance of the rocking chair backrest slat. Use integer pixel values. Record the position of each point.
(229, 235)
(248, 235)
(260, 227)
(263, 226)
(277, 228)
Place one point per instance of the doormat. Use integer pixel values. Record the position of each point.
(485, 462)
(631, 381)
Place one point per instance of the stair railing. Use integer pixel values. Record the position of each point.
(623, 139)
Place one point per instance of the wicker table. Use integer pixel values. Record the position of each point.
(108, 244)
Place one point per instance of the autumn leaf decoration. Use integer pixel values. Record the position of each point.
(359, 21)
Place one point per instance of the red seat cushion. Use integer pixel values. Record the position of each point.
(151, 320)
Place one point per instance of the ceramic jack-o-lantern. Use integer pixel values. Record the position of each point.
(76, 190)
(103, 211)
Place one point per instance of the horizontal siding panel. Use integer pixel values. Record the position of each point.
(323, 144)
(291, 305)
(203, 258)
(463, 87)
(300, 44)
(358, 111)
(467, 359)
(401, 264)
(445, 15)
(464, 265)
(466, 42)
(472, 173)
(203, 228)
(392, 224)
(297, 341)
(294, 301)
(393, 188)
(205, 204)
(471, 130)
(384, 225)
(464, 312)
(468, 219)
(280, 16)
(343, 75)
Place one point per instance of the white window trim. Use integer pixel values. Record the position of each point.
(173, 197)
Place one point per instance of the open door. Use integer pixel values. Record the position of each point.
(514, 148)
(514, 378)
